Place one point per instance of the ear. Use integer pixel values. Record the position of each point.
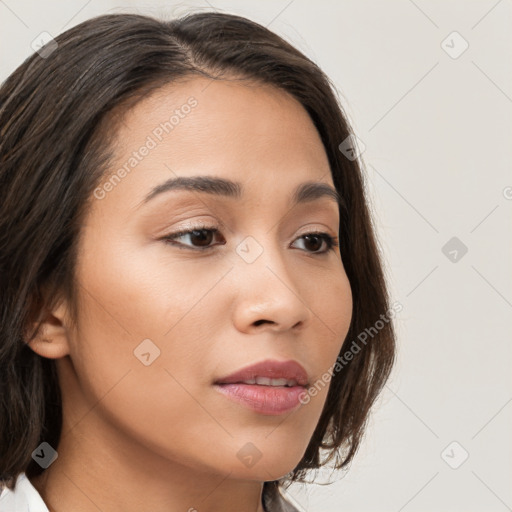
(52, 339)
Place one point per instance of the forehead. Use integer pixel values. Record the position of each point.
(243, 131)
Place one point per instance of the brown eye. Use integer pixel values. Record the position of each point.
(200, 237)
(313, 242)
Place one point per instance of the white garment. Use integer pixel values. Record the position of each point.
(24, 498)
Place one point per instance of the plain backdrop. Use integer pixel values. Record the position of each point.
(427, 86)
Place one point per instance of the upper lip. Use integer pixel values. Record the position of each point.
(290, 370)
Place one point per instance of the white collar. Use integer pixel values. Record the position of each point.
(24, 498)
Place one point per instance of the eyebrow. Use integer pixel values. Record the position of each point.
(303, 193)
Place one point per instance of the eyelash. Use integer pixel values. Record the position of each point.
(331, 242)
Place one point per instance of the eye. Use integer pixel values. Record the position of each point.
(203, 235)
(316, 238)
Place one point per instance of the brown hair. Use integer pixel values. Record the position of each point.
(54, 150)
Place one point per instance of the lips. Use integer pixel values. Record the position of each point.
(269, 387)
(269, 373)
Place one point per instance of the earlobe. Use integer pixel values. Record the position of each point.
(51, 340)
(48, 347)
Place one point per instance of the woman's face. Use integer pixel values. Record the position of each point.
(161, 322)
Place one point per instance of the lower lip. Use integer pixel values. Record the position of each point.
(271, 400)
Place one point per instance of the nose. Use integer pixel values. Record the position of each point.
(268, 294)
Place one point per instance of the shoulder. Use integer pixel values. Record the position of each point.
(24, 497)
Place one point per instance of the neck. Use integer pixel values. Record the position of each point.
(108, 472)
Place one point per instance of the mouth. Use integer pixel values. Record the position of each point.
(266, 381)
(268, 387)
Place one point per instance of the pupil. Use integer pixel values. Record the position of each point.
(202, 234)
(309, 237)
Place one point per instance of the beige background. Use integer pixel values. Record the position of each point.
(437, 128)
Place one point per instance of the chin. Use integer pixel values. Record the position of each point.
(265, 461)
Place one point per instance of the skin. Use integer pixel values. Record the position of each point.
(161, 437)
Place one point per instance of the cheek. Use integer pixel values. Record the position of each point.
(331, 305)
(145, 336)
(147, 386)
(130, 295)
(143, 320)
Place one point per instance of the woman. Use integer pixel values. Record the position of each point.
(188, 263)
